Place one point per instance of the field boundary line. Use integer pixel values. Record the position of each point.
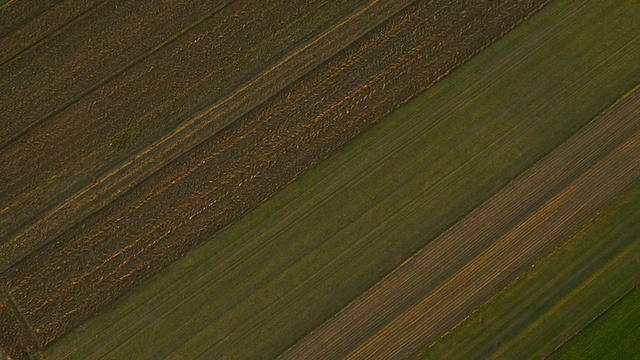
(598, 316)
(33, 338)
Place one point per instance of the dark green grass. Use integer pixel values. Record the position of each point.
(614, 335)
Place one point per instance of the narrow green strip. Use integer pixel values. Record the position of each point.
(614, 335)
(545, 306)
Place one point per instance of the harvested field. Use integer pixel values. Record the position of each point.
(245, 160)
(557, 298)
(461, 269)
(260, 284)
(62, 171)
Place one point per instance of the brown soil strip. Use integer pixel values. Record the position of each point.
(450, 277)
(202, 191)
(126, 145)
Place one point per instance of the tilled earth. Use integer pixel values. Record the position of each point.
(74, 144)
(87, 123)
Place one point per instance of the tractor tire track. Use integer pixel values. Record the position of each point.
(43, 27)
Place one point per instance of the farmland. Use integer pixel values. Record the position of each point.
(612, 336)
(86, 203)
(259, 285)
(555, 299)
(435, 289)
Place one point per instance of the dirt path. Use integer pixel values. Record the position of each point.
(462, 268)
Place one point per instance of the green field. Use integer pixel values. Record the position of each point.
(272, 277)
(545, 306)
(614, 335)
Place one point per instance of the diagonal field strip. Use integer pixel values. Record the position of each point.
(448, 278)
(203, 125)
(124, 175)
(121, 252)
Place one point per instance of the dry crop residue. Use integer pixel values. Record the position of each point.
(62, 214)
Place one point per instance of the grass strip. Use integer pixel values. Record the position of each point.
(299, 257)
(614, 335)
(559, 295)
